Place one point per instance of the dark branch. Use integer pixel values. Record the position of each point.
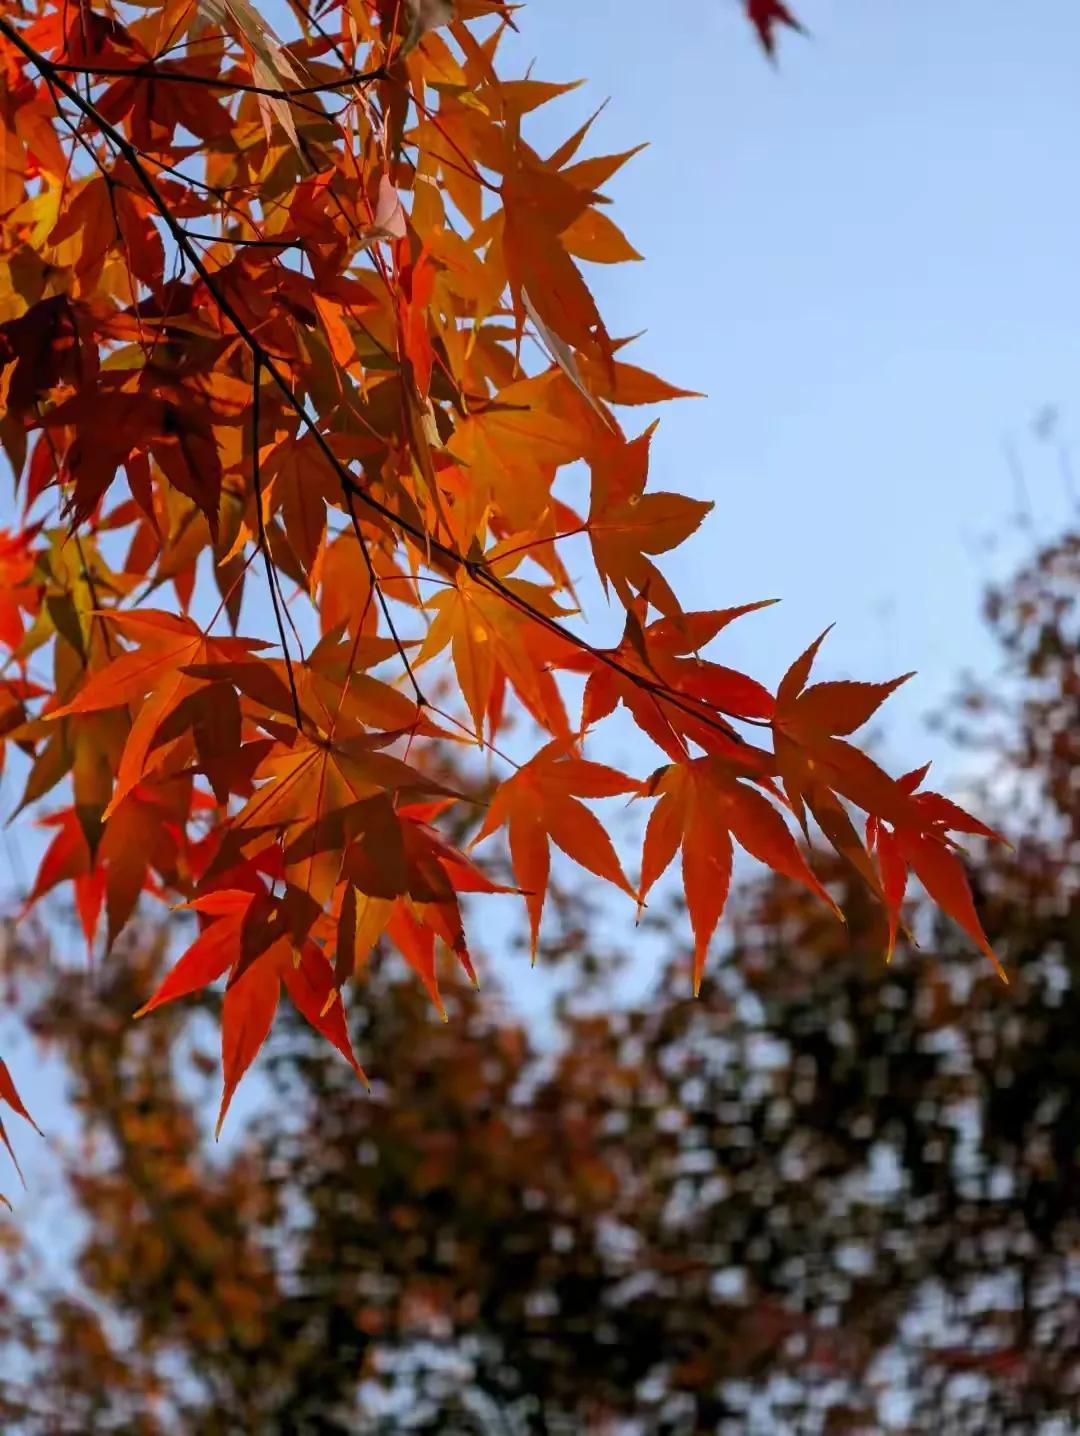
(213, 82)
(250, 243)
(271, 576)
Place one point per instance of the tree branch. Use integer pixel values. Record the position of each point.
(184, 77)
(477, 570)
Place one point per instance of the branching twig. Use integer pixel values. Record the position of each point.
(249, 243)
(264, 544)
(477, 569)
(184, 77)
(376, 588)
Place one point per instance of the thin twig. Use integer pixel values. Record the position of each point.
(540, 542)
(249, 243)
(477, 738)
(477, 569)
(376, 588)
(184, 77)
(268, 562)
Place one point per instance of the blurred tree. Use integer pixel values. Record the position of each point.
(828, 1196)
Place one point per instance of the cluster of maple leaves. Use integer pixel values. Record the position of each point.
(314, 316)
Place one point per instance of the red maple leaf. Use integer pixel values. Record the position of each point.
(765, 15)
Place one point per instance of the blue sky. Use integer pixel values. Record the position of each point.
(866, 257)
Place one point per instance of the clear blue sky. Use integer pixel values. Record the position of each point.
(867, 258)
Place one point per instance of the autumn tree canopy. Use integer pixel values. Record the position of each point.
(308, 316)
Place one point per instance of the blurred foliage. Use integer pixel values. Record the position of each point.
(828, 1196)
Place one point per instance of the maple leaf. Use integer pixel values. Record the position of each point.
(908, 830)
(247, 1015)
(813, 757)
(621, 383)
(539, 205)
(46, 348)
(540, 805)
(151, 677)
(320, 797)
(701, 806)
(155, 111)
(19, 593)
(488, 639)
(251, 995)
(68, 858)
(269, 64)
(935, 859)
(561, 353)
(673, 693)
(403, 878)
(9, 1095)
(299, 482)
(142, 834)
(626, 523)
(142, 837)
(173, 423)
(765, 16)
(91, 216)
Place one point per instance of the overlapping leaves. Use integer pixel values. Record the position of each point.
(299, 332)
